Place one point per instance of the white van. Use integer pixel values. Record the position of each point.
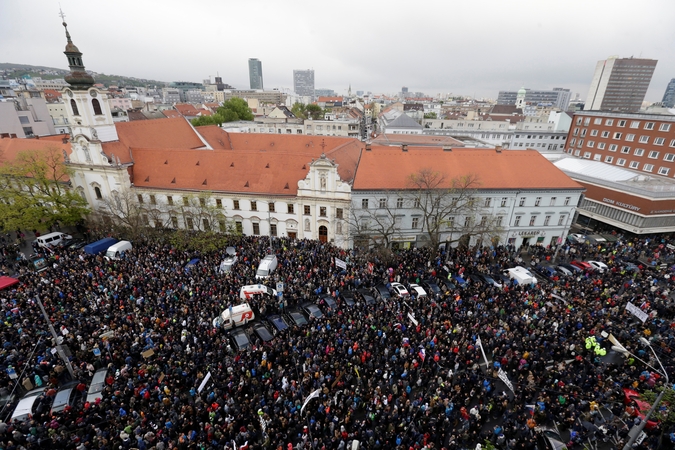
(267, 266)
(52, 239)
(116, 251)
(246, 292)
(229, 261)
(234, 317)
(521, 275)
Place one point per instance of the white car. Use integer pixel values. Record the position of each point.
(418, 290)
(564, 270)
(398, 290)
(599, 266)
(576, 237)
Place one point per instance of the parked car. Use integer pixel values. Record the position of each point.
(260, 330)
(312, 310)
(576, 238)
(296, 317)
(548, 439)
(582, 265)
(28, 405)
(347, 298)
(381, 292)
(546, 271)
(240, 339)
(476, 279)
(431, 287)
(446, 285)
(491, 281)
(398, 290)
(277, 322)
(571, 268)
(631, 397)
(459, 281)
(417, 290)
(328, 300)
(367, 297)
(598, 265)
(564, 270)
(67, 396)
(97, 385)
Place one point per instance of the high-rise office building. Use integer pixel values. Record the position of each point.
(303, 82)
(620, 84)
(669, 95)
(255, 73)
(558, 97)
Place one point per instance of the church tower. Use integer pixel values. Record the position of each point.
(520, 98)
(96, 176)
(89, 114)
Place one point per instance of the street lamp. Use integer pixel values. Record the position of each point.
(635, 431)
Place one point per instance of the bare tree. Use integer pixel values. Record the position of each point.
(450, 208)
(378, 226)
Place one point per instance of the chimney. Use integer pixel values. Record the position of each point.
(404, 147)
(368, 147)
(37, 136)
(447, 148)
(498, 148)
(12, 135)
(64, 140)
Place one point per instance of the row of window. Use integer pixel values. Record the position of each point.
(622, 123)
(94, 104)
(622, 162)
(271, 206)
(643, 139)
(487, 202)
(450, 223)
(533, 220)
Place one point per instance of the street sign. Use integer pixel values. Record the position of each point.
(12, 373)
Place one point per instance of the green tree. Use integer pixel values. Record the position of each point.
(430, 115)
(299, 110)
(314, 112)
(35, 192)
(232, 110)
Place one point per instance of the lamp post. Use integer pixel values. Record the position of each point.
(59, 347)
(635, 431)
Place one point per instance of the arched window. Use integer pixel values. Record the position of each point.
(97, 107)
(74, 106)
(97, 190)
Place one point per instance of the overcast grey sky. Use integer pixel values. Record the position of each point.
(445, 46)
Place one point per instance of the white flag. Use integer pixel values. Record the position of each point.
(314, 394)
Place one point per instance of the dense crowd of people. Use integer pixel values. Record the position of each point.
(378, 379)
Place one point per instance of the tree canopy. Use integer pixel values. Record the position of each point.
(311, 111)
(232, 110)
(35, 192)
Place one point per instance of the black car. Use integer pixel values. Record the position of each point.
(328, 301)
(381, 292)
(446, 285)
(261, 331)
(240, 339)
(348, 298)
(312, 310)
(295, 316)
(367, 296)
(431, 287)
(476, 279)
(277, 322)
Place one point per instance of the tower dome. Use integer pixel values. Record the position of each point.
(78, 78)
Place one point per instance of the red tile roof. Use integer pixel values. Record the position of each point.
(257, 163)
(157, 133)
(390, 168)
(216, 137)
(11, 147)
(329, 99)
(171, 113)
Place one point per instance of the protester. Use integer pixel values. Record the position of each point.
(380, 378)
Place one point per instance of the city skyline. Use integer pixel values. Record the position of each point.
(557, 48)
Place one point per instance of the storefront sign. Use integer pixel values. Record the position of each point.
(621, 204)
(529, 233)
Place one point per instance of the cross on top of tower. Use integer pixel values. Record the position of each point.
(63, 16)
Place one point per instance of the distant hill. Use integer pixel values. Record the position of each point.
(13, 70)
